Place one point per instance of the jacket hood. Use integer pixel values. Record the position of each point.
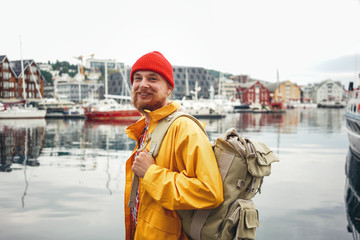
(134, 130)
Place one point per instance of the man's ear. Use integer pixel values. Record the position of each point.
(170, 89)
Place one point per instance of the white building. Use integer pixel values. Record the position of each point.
(93, 63)
(307, 93)
(44, 66)
(66, 87)
(328, 91)
(227, 87)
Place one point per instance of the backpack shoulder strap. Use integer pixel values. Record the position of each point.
(156, 138)
(162, 127)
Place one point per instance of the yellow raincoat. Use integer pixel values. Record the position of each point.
(185, 176)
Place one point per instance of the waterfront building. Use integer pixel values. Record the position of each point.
(68, 88)
(307, 93)
(117, 85)
(186, 79)
(93, 63)
(95, 70)
(327, 91)
(48, 90)
(241, 78)
(8, 81)
(227, 87)
(286, 92)
(253, 92)
(14, 85)
(44, 66)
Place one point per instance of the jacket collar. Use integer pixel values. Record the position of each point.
(135, 130)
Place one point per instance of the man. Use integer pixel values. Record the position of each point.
(183, 176)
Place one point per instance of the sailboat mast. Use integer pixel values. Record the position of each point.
(106, 79)
(220, 84)
(22, 70)
(187, 92)
(80, 78)
(277, 85)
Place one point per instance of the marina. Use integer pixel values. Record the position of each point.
(64, 178)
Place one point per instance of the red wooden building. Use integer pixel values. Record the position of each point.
(11, 80)
(8, 81)
(253, 92)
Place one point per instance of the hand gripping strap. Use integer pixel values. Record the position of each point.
(157, 137)
(135, 181)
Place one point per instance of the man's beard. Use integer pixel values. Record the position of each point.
(158, 102)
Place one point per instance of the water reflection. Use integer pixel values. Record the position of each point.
(79, 138)
(108, 135)
(81, 176)
(21, 142)
(352, 193)
(294, 120)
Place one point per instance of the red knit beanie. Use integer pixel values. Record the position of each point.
(156, 62)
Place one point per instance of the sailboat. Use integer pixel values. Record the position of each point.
(18, 110)
(199, 108)
(109, 109)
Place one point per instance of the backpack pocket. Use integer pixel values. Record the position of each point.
(241, 221)
(259, 158)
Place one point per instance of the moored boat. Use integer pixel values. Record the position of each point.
(110, 110)
(331, 104)
(55, 107)
(202, 108)
(352, 116)
(19, 110)
(76, 111)
(352, 193)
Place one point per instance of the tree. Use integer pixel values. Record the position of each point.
(47, 75)
(65, 67)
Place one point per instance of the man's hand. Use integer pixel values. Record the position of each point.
(142, 162)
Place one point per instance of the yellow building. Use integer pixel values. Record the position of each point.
(286, 92)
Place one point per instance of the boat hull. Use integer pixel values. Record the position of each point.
(352, 192)
(112, 115)
(22, 114)
(353, 130)
(352, 117)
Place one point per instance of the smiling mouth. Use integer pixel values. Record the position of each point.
(144, 94)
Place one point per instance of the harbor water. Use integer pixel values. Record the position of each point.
(64, 179)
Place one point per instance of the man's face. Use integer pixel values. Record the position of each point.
(149, 91)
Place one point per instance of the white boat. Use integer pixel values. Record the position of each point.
(55, 107)
(76, 111)
(352, 116)
(352, 193)
(19, 110)
(227, 105)
(202, 108)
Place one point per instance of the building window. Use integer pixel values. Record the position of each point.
(5, 66)
(7, 75)
(33, 78)
(33, 69)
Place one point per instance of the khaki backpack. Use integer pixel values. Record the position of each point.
(242, 164)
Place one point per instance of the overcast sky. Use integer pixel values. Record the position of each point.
(307, 41)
